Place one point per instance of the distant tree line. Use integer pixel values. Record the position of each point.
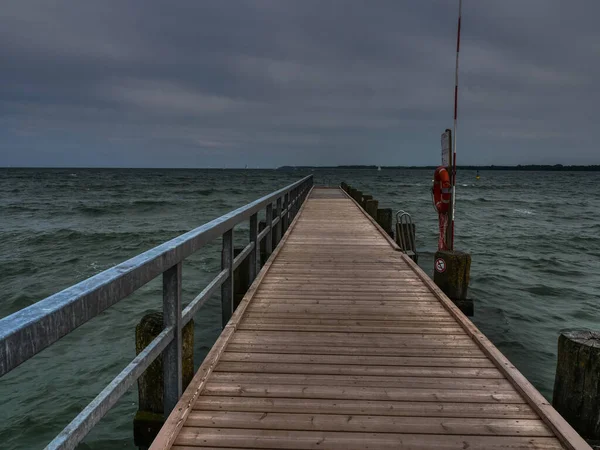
(525, 167)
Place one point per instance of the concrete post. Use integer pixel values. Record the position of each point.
(371, 208)
(451, 273)
(150, 415)
(577, 383)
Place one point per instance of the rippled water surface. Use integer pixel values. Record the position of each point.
(534, 238)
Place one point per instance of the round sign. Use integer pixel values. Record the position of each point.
(440, 265)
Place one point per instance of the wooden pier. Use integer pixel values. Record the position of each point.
(342, 342)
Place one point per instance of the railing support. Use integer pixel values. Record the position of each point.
(227, 286)
(269, 237)
(172, 356)
(278, 226)
(286, 216)
(255, 253)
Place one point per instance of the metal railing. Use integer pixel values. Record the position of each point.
(32, 329)
(405, 234)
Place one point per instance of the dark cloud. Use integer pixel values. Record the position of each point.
(266, 83)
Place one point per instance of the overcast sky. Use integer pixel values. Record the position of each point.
(266, 83)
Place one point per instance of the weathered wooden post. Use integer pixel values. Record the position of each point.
(241, 279)
(371, 208)
(263, 244)
(451, 273)
(577, 383)
(384, 219)
(365, 197)
(227, 286)
(344, 186)
(150, 415)
(357, 196)
(278, 227)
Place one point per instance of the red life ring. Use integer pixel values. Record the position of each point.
(441, 189)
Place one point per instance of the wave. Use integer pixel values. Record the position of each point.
(151, 203)
(201, 192)
(95, 237)
(93, 210)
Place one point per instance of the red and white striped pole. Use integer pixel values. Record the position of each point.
(453, 175)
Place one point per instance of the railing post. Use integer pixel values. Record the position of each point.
(294, 203)
(278, 226)
(255, 253)
(227, 286)
(172, 354)
(285, 218)
(269, 224)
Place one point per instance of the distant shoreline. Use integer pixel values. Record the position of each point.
(527, 167)
(520, 167)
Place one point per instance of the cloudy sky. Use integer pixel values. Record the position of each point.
(147, 83)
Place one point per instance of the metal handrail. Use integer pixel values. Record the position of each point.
(32, 329)
(407, 243)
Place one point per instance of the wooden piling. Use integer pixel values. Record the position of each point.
(371, 208)
(384, 219)
(150, 415)
(451, 273)
(577, 383)
(364, 200)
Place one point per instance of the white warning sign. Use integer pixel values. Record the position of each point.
(440, 265)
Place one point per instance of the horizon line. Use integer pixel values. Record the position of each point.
(287, 166)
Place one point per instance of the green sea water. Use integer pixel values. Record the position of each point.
(534, 239)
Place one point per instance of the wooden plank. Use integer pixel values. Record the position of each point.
(364, 299)
(471, 351)
(284, 439)
(348, 316)
(339, 369)
(368, 407)
(406, 361)
(414, 329)
(341, 310)
(363, 393)
(257, 319)
(369, 424)
(351, 289)
(353, 338)
(366, 381)
(342, 301)
(399, 341)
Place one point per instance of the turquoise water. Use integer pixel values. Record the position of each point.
(534, 238)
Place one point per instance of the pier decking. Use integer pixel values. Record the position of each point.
(342, 342)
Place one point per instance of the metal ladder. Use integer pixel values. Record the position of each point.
(405, 234)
